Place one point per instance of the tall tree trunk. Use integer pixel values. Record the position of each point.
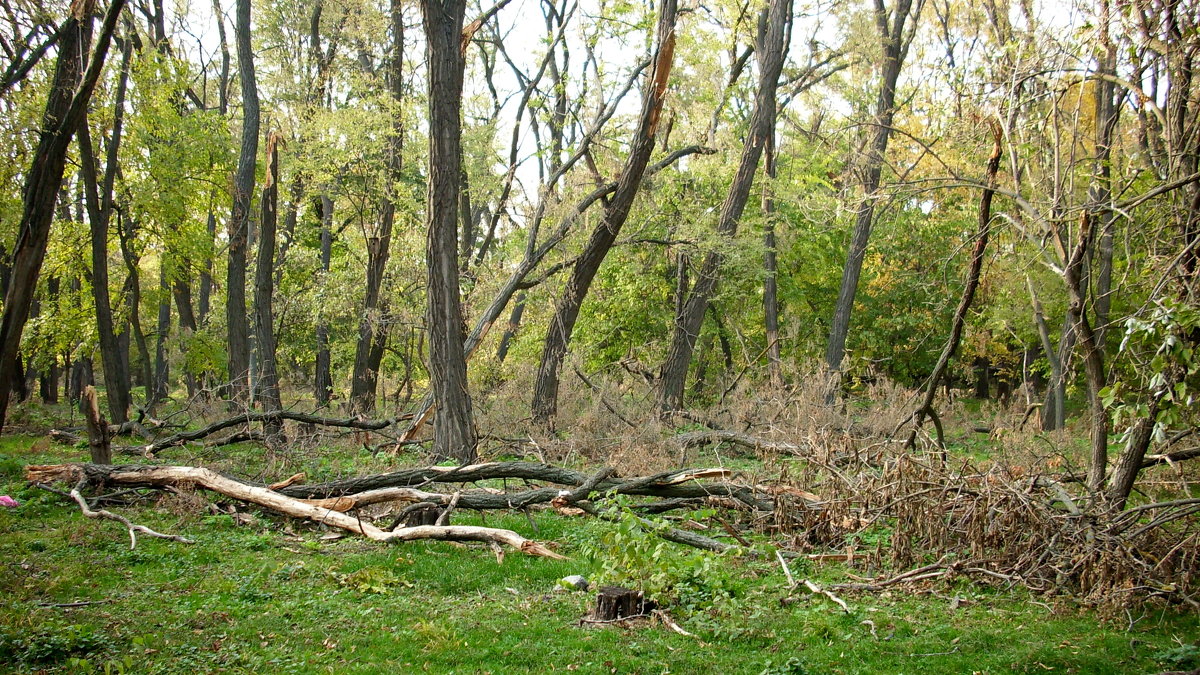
(372, 331)
(454, 426)
(143, 375)
(48, 387)
(66, 106)
(239, 223)
(323, 379)
(616, 211)
(1107, 114)
(894, 39)
(99, 200)
(206, 279)
(264, 288)
(774, 29)
(770, 288)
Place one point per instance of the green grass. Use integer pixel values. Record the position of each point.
(254, 599)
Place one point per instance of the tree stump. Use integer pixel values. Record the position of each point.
(96, 426)
(615, 602)
(424, 516)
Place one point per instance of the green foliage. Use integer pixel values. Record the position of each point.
(629, 552)
(1168, 368)
(1182, 657)
(369, 580)
(50, 644)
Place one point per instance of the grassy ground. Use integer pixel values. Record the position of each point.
(273, 596)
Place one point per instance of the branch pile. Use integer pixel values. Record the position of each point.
(1001, 525)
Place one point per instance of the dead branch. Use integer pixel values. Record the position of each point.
(695, 438)
(102, 514)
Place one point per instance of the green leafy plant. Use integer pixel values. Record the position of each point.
(374, 580)
(632, 554)
(51, 644)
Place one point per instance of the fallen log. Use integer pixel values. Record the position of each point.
(176, 476)
(672, 484)
(269, 416)
(695, 438)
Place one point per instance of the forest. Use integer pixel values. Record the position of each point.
(815, 311)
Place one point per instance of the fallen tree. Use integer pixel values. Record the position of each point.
(269, 417)
(331, 503)
(180, 476)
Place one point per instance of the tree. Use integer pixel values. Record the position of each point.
(774, 30)
(66, 107)
(264, 277)
(545, 395)
(895, 34)
(372, 330)
(100, 206)
(454, 432)
(239, 222)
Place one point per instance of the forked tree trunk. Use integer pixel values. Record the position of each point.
(99, 200)
(545, 394)
(239, 222)
(66, 107)
(454, 425)
(774, 29)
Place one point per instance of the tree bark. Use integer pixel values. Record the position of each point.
(454, 426)
(264, 288)
(97, 428)
(894, 40)
(774, 29)
(1107, 114)
(545, 396)
(66, 107)
(323, 378)
(238, 342)
(770, 288)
